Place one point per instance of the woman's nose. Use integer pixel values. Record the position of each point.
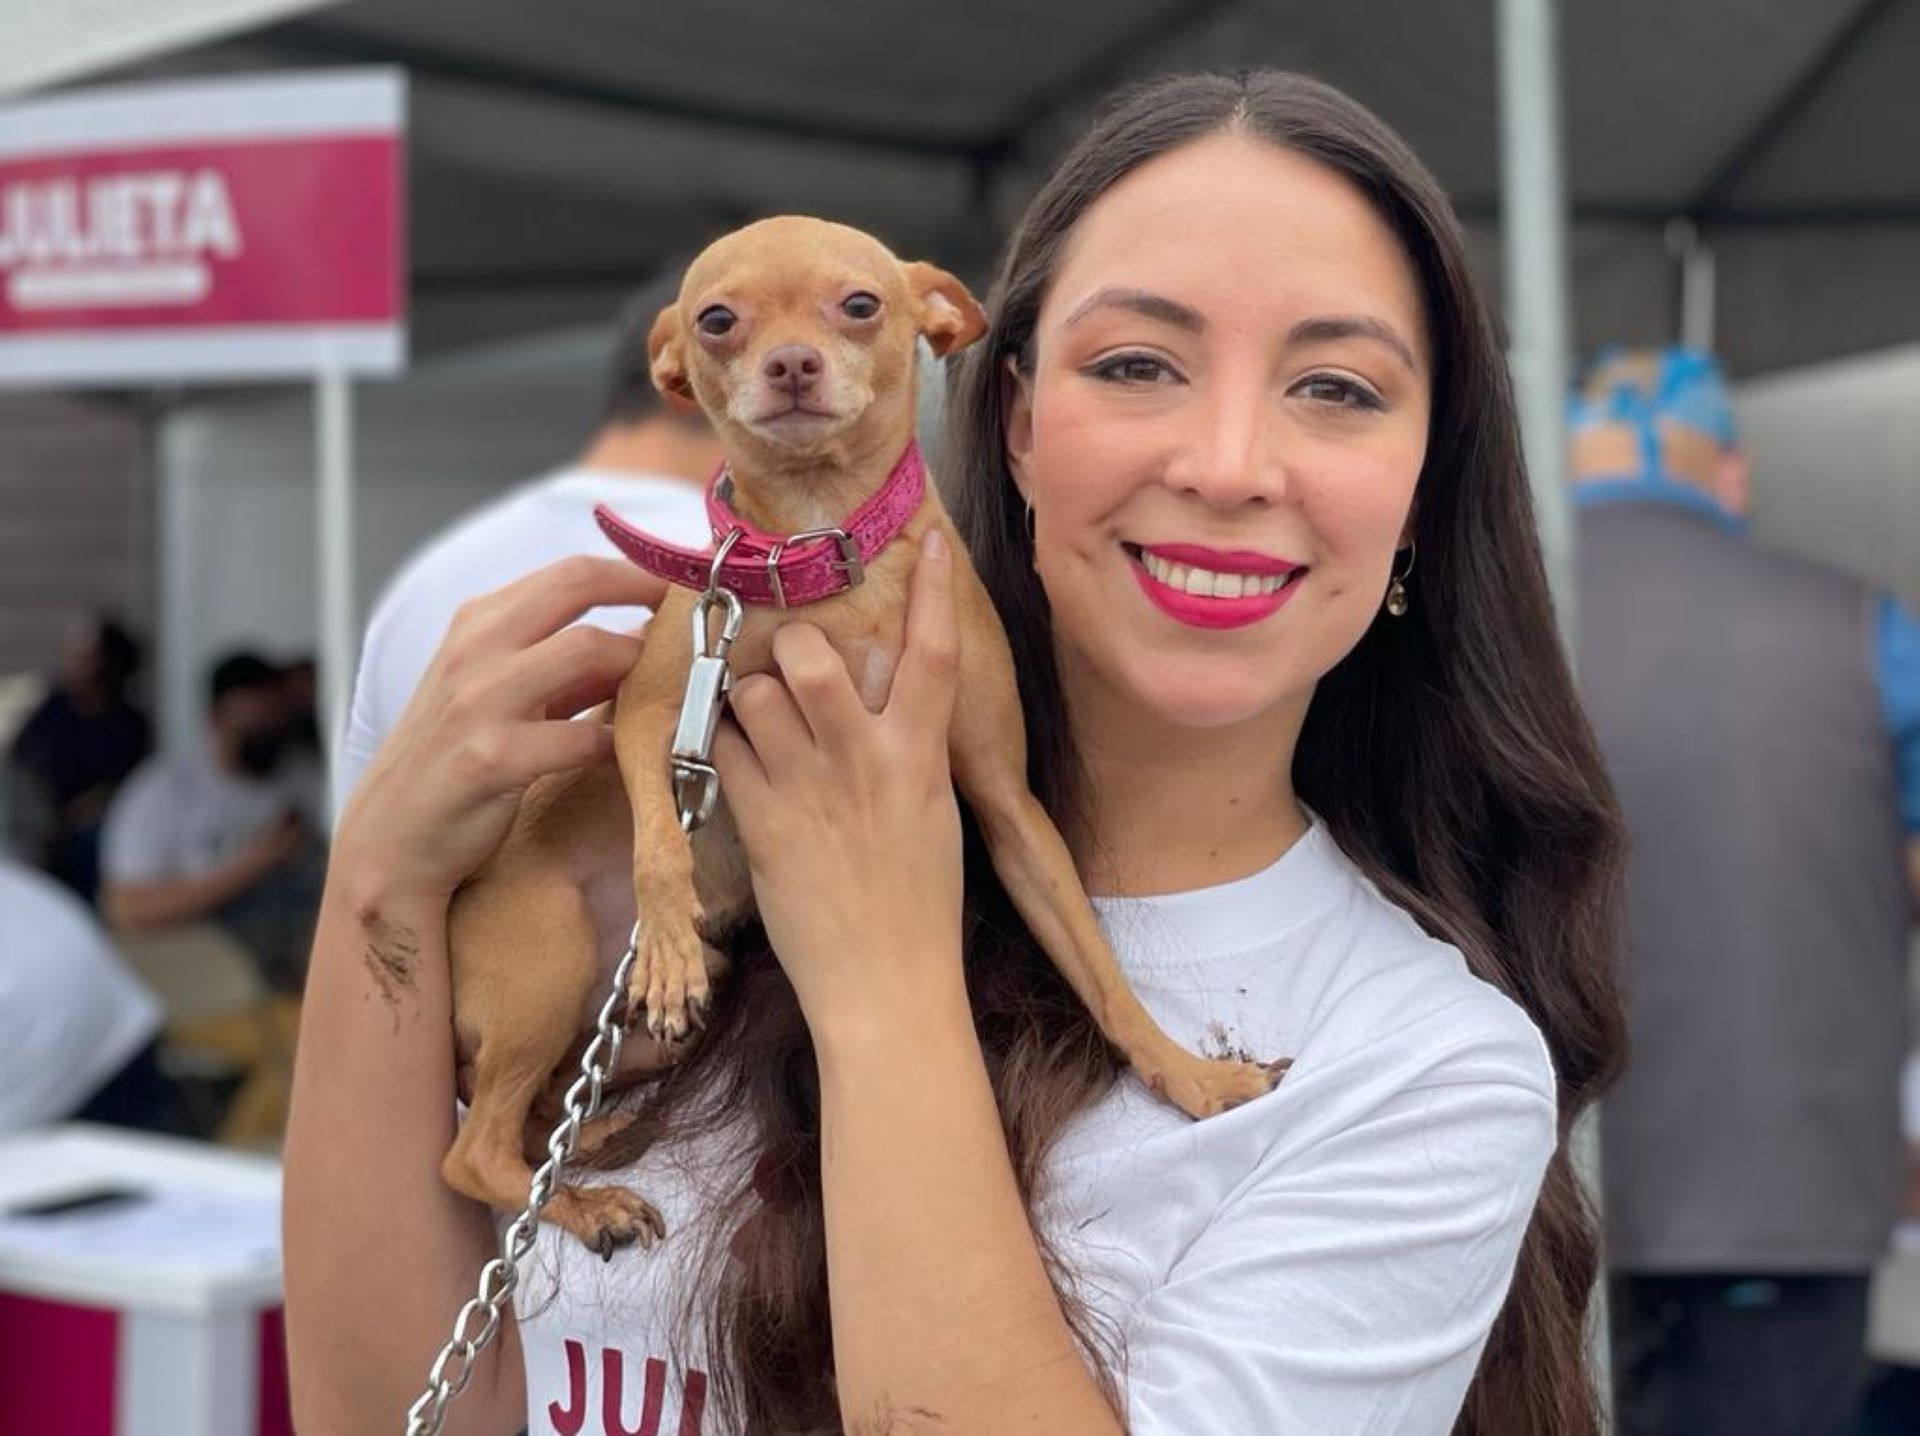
(1230, 455)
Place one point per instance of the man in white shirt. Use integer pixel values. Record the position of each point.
(76, 1026)
(219, 833)
(646, 461)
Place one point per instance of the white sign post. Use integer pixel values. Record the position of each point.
(339, 626)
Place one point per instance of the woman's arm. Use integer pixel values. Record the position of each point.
(380, 1254)
(943, 1318)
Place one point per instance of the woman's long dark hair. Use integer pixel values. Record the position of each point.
(1447, 755)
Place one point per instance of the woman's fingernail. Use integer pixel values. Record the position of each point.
(934, 545)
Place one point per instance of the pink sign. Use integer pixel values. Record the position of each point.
(169, 232)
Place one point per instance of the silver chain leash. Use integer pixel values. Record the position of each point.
(453, 1368)
(696, 788)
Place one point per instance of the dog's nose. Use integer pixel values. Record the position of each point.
(793, 366)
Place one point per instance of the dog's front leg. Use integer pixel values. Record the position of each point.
(988, 749)
(669, 982)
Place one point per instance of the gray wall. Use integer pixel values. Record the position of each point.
(74, 522)
(1836, 463)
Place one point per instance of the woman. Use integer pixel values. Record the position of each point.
(1355, 820)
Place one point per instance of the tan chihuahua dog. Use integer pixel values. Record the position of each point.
(797, 338)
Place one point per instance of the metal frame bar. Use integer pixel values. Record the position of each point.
(313, 40)
(1103, 69)
(1788, 108)
(332, 42)
(1481, 210)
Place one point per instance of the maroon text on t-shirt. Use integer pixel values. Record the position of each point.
(571, 1419)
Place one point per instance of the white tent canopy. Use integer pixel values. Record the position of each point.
(47, 43)
(559, 154)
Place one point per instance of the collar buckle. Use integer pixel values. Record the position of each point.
(848, 563)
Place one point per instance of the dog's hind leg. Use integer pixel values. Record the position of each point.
(529, 1023)
(641, 1057)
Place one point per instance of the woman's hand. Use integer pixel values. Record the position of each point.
(490, 715)
(849, 817)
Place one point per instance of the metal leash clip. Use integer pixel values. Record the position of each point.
(696, 786)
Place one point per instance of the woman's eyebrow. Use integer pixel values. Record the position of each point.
(1142, 302)
(1353, 326)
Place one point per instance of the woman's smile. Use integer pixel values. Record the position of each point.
(1207, 588)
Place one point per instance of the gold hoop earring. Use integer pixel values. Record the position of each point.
(1397, 588)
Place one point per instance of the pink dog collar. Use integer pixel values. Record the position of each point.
(780, 570)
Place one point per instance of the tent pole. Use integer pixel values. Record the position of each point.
(178, 482)
(333, 429)
(1695, 257)
(1534, 244)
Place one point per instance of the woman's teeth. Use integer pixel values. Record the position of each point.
(1207, 584)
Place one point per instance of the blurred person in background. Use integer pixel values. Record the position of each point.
(74, 751)
(300, 685)
(219, 834)
(1760, 717)
(645, 460)
(77, 1028)
(304, 763)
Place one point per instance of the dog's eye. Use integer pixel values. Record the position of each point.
(860, 306)
(715, 320)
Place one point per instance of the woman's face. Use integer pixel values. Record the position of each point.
(1221, 435)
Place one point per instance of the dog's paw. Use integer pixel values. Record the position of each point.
(669, 988)
(1203, 1087)
(606, 1219)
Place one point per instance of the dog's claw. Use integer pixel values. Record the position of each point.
(670, 963)
(613, 1218)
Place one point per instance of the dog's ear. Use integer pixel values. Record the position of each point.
(669, 360)
(950, 317)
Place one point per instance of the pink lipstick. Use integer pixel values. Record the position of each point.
(1206, 611)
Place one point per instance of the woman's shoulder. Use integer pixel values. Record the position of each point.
(1398, 1000)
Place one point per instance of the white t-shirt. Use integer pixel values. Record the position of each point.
(528, 528)
(183, 815)
(71, 1012)
(1326, 1259)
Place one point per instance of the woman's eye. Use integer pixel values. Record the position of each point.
(860, 306)
(1339, 393)
(715, 321)
(1134, 369)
